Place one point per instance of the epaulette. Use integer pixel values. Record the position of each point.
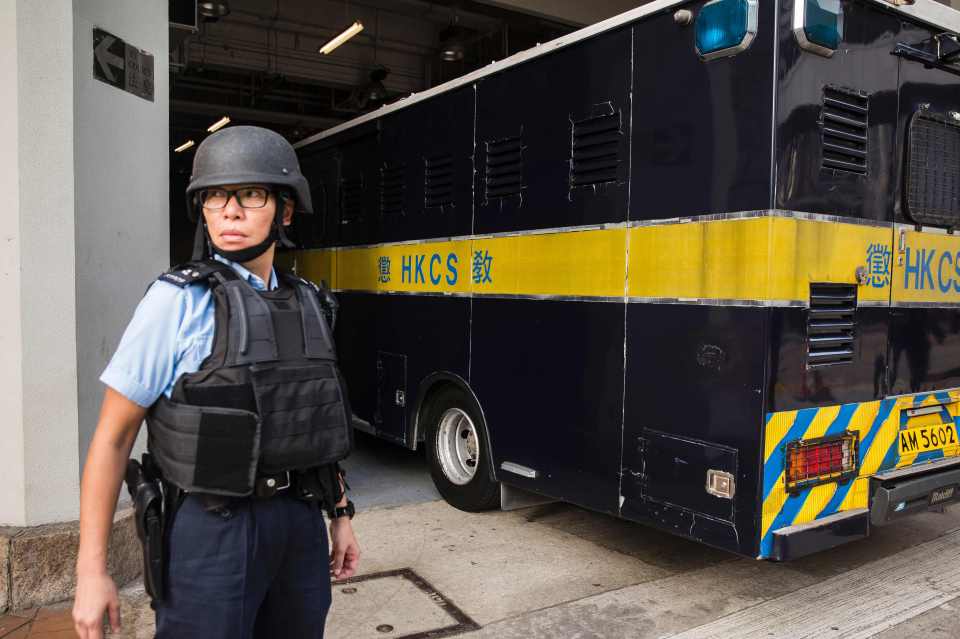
(189, 273)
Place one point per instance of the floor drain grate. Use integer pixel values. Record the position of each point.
(399, 604)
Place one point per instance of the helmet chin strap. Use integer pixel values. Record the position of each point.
(249, 253)
(203, 246)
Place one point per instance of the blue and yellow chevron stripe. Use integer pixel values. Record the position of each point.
(878, 424)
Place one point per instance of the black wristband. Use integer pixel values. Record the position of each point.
(343, 511)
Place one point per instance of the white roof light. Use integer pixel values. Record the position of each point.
(219, 124)
(348, 33)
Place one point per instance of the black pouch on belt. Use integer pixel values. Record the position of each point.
(144, 489)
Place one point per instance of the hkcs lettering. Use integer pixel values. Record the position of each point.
(919, 268)
(416, 269)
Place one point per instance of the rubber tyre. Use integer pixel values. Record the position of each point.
(482, 492)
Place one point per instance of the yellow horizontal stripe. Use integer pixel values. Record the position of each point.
(764, 259)
(573, 263)
(578, 263)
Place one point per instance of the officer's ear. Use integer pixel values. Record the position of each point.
(288, 205)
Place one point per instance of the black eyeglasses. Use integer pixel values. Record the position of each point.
(249, 197)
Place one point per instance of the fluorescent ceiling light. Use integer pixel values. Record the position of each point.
(219, 124)
(348, 33)
(183, 147)
(214, 9)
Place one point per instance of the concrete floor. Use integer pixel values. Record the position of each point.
(383, 474)
(561, 571)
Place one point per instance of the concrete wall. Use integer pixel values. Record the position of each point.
(11, 453)
(39, 379)
(122, 154)
(83, 228)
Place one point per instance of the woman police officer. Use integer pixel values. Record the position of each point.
(232, 366)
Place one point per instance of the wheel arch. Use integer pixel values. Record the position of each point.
(429, 386)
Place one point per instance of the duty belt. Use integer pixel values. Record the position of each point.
(304, 485)
(270, 485)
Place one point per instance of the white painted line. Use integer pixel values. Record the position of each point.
(855, 605)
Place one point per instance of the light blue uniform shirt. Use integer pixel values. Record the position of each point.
(171, 333)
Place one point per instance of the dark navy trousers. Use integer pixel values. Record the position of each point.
(258, 568)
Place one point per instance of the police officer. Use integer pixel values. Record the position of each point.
(232, 365)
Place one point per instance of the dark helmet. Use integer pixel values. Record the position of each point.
(247, 155)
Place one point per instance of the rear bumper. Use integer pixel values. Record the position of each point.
(893, 496)
(797, 541)
(898, 494)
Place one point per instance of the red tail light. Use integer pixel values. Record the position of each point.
(817, 461)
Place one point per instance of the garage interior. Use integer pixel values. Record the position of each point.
(258, 62)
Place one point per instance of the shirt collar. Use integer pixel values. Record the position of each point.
(251, 279)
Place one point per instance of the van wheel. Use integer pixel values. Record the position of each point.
(459, 453)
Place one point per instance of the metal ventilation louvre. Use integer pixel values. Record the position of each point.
(845, 121)
(503, 175)
(392, 189)
(351, 200)
(830, 324)
(595, 152)
(933, 170)
(438, 181)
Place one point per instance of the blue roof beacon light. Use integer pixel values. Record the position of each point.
(818, 25)
(725, 27)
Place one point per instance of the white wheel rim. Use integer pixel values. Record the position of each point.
(458, 446)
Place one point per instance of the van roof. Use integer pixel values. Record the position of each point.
(929, 12)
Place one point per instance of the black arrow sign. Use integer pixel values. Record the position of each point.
(109, 55)
(122, 65)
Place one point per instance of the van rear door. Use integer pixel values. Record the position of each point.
(924, 343)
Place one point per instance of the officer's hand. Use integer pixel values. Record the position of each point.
(96, 594)
(345, 555)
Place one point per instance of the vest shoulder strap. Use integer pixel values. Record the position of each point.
(293, 279)
(326, 299)
(183, 275)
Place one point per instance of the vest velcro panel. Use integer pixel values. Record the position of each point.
(205, 449)
(302, 409)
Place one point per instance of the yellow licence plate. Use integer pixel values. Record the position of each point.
(924, 438)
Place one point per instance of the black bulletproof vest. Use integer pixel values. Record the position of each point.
(269, 398)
